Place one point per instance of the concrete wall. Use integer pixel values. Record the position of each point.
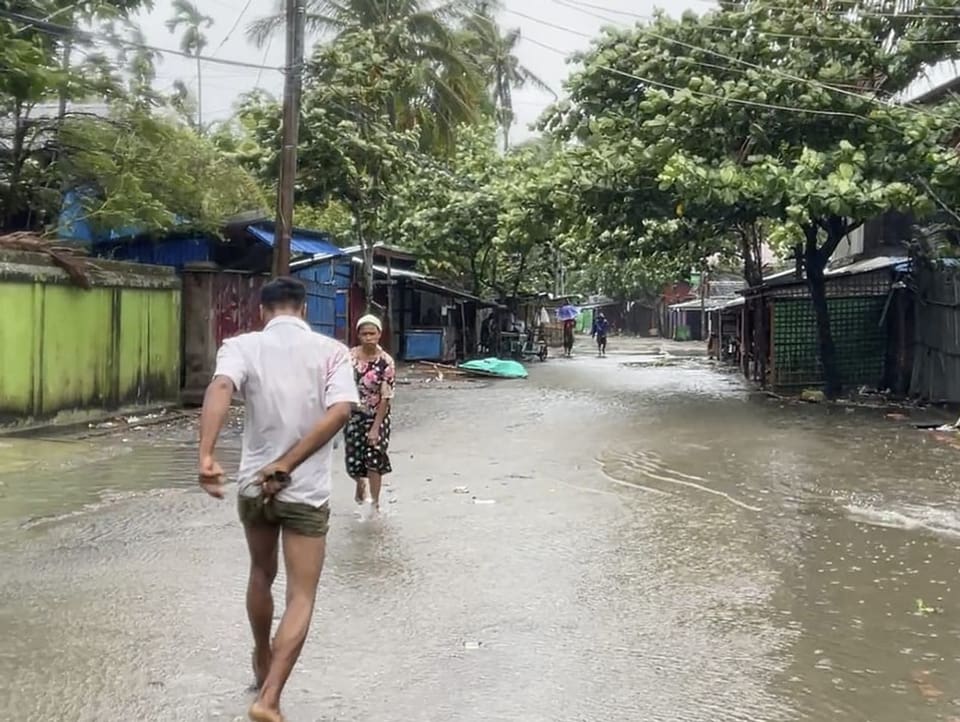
(67, 353)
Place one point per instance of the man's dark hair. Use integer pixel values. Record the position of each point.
(283, 293)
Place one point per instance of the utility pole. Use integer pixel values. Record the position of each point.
(292, 86)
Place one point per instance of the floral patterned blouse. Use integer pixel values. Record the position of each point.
(376, 378)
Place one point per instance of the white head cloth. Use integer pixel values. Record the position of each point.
(370, 320)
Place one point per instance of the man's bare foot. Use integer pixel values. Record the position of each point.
(260, 713)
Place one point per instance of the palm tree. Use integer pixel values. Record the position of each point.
(449, 88)
(496, 54)
(141, 63)
(188, 15)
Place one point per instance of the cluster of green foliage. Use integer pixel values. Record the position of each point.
(766, 117)
(401, 106)
(680, 143)
(75, 116)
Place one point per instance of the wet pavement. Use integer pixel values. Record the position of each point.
(663, 545)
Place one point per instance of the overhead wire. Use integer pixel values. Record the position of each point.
(724, 56)
(266, 52)
(856, 10)
(233, 28)
(94, 37)
(51, 16)
(580, 6)
(726, 99)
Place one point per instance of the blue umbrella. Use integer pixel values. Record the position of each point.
(567, 313)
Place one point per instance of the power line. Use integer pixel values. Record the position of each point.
(747, 63)
(726, 99)
(51, 16)
(855, 11)
(62, 30)
(233, 27)
(579, 5)
(266, 51)
(730, 58)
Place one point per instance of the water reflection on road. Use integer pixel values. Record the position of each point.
(663, 546)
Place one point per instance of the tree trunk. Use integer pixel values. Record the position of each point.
(760, 341)
(815, 262)
(17, 160)
(519, 277)
(751, 245)
(367, 251)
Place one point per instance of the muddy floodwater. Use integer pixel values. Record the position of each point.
(652, 542)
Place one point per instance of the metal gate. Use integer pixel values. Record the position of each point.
(328, 284)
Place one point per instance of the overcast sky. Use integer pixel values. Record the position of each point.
(223, 84)
(551, 30)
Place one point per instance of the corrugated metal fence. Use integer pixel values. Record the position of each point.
(936, 365)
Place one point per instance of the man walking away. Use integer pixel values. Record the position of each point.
(599, 331)
(298, 391)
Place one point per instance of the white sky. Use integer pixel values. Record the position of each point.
(223, 84)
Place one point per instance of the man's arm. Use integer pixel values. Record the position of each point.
(319, 436)
(216, 406)
(229, 375)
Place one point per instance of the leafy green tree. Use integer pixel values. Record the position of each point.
(193, 41)
(36, 40)
(448, 211)
(141, 65)
(445, 88)
(763, 112)
(333, 218)
(139, 170)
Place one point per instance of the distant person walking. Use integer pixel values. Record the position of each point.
(599, 331)
(298, 390)
(368, 431)
(568, 327)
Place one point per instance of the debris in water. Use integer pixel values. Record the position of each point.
(813, 396)
(923, 610)
(926, 688)
(461, 490)
(472, 645)
(484, 501)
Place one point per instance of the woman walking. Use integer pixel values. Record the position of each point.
(368, 431)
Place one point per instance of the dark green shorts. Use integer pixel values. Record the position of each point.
(298, 518)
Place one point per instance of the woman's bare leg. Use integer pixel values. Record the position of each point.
(376, 482)
(361, 489)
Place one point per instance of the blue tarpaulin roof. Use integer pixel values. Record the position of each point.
(303, 243)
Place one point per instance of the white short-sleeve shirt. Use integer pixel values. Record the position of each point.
(288, 376)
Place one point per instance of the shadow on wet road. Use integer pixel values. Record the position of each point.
(662, 546)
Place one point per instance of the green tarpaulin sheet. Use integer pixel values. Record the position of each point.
(496, 367)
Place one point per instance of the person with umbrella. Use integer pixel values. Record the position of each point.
(568, 315)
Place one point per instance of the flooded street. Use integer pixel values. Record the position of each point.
(661, 545)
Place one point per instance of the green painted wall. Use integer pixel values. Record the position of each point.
(65, 349)
(585, 321)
